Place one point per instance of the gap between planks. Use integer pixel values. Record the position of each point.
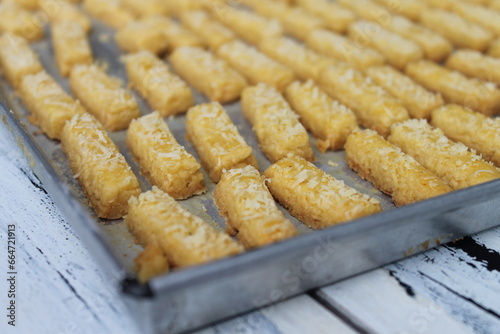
(445, 288)
(297, 315)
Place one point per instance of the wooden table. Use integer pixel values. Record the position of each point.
(454, 288)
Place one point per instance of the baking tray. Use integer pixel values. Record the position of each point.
(193, 297)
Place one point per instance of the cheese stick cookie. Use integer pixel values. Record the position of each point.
(141, 35)
(177, 7)
(451, 161)
(208, 74)
(418, 101)
(50, 106)
(143, 8)
(344, 49)
(440, 4)
(462, 33)
(105, 177)
(156, 218)
(17, 20)
(151, 262)
(299, 23)
(455, 87)
(259, 98)
(217, 140)
(475, 64)
(471, 128)
(328, 120)
(163, 161)
(409, 8)
(175, 35)
(397, 50)
(249, 208)
(267, 8)
(27, 4)
(434, 46)
(306, 63)
(494, 49)
(315, 197)
(374, 107)
(103, 96)
(391, 170)
(335, 17)
(449, 4)
(368, 10)
(62, 10)
(151, 77)
(255, 66)
(296, 21)
(480, 2)
(71, 46)
(17, 59)
(485, 17)
(275, 125)
(213, 33)
(112, 12)
(250, 26)
(494, 4)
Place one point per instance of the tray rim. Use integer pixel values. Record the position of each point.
(444, 203)
(180, 279)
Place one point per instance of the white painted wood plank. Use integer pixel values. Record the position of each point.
(458, 271)
(378, 303)
(298, 315)
(254, 322)
(463, 278)
(60, 287)
(466, 285)
(465, 311)
(303, 314)
(490, 239)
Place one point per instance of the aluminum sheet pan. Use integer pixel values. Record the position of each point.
(193, 297)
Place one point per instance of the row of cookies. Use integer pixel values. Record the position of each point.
(293, 199)
(103, 173)
(407, 177)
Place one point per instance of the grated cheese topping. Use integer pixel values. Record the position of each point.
(401, 85)
(433, 139)
(249, 56)
(294, 52)
(97, 151)
(158, 141)
(453, 80)
(93, 80)
(204, 59)
(16, 51)
(241, 20)
(312, 97)
(167, 219)
(217, 130)
(306, 178)
(384, 39)
(454, 21)
(252, 196)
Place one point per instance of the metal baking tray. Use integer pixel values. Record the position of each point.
(189, 298)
